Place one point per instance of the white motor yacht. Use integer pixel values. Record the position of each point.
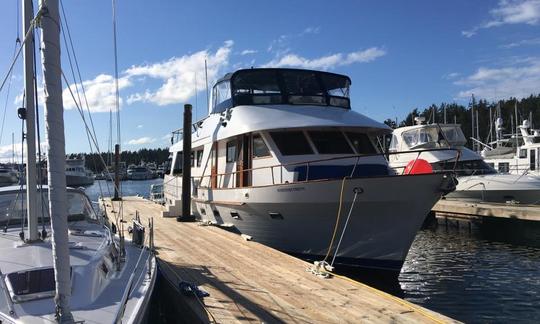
(77, 174)
(478, 181)
(138, 172)
(8, 176)
(516, 155)
(284, 159)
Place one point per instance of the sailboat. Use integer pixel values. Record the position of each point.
(82, 271)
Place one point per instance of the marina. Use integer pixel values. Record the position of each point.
(365, 163)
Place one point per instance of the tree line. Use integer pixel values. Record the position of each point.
(460, 114)
(94, 162)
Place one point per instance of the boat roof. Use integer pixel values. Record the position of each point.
(253, 118)
(231, 75)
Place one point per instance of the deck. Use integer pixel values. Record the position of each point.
(249, 282)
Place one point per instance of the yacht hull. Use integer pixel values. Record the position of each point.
(77, 180)
(498, 188)
(300, 218)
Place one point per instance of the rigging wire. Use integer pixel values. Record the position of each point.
(17, 43)
(65, 27)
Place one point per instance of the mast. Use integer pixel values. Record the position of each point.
(56, 155)
(472, 124)
(28, 57)
(517, 123)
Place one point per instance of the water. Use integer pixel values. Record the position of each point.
(472, 279)
(468, 275)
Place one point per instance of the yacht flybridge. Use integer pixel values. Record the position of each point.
(478, 181)
(283, 158)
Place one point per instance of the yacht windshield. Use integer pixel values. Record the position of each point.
(425, 137)
(285, 86)
(454, 135)
(13, 207)
(465, 168)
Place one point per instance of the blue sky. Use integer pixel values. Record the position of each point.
(399, 55)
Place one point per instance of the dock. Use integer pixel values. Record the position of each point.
(250, 282)
(479, 212)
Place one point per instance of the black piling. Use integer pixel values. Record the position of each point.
(186, 166)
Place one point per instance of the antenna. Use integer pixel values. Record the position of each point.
(206, 77)
(196, 96)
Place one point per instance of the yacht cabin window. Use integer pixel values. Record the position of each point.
(393, 144)
(523, 153)
(192, 159)
(231, 151)
(292, 143)
(199, 158)
(504, 167)
(178, 161)
(222, 96)
(361, 143)
(259, 147)
(330, 142)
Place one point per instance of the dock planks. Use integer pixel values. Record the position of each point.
(475, 211)
(249, 282)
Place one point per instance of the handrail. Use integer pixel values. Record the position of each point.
(220, 176)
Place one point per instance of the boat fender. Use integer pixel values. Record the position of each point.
(418, 166)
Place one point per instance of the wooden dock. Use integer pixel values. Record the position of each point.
(479, 212)
(249, 282)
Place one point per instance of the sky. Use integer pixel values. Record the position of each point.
(400, 55)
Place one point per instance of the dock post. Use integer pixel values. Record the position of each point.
(116, 172)
(186, 166)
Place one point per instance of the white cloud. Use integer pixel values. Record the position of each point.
(100, 92)
(518, 80)
(6, 152)
(509, 12)
(179, 75)
(523, 42)
(329, 61)
(139, 126)
(451, 75)
(248, 52)
(141, 141)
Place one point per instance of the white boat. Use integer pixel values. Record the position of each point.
(61, 261)
(478, 181)
(8, 176)
(105, 286)
(278, 155)
(516, 155)
(138, 172)
(77, 174)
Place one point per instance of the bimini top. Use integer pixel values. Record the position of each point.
(280, 86)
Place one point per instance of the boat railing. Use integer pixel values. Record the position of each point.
(305, 171)
(178, 134)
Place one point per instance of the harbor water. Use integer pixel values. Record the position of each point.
(464, 274)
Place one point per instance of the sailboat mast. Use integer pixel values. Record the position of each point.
(28, 57)
(56, 155)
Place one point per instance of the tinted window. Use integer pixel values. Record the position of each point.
(465, 168)
(231, 151)
(303, 88)
(32, 281)
(504, 167)
(291, 143)
(362, 144)
(199, 157)
(259, 147)
(330, 142)
(178, 163)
